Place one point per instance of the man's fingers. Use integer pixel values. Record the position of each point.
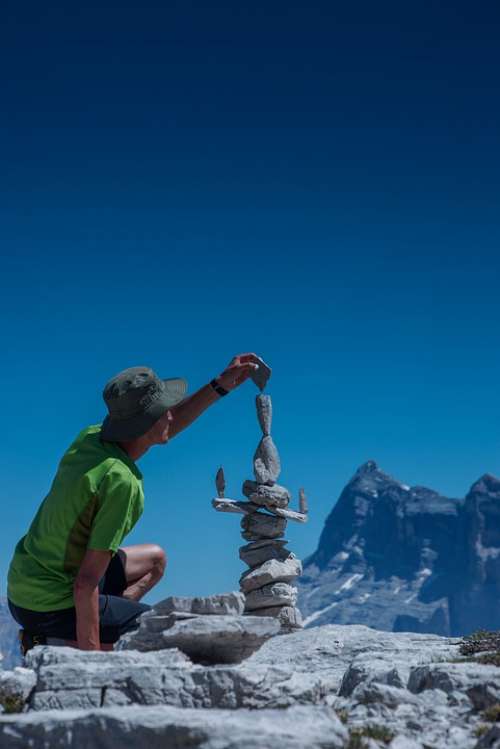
(248, 357)
(247, 365)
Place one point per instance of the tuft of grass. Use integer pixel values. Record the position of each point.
(480, 641)
(370, 731)
(342, 714)
(480, 730)
(12, 703)
(491, 659)
(492, 713)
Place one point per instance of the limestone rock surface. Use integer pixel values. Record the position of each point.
(162, 727)
(409, 683)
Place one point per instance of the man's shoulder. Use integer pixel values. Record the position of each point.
(118, 470)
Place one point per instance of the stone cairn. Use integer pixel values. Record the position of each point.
(267, 584)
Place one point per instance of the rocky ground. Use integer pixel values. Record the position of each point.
(332, 686)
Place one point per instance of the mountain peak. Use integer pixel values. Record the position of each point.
(369, 467)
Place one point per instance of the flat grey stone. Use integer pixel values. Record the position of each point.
(258, 552)
(276, 594)
(263, 494)
(288, 616)
(266, 462)
(162, 727)
(264, 413)
(207, 639)
(223, 603)
(227, 640)
(272, 571)
(262, 526)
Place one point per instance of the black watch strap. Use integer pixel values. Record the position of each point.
(218, 388)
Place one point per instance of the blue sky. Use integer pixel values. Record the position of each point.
(317, 183)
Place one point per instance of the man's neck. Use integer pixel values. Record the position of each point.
(135, 449)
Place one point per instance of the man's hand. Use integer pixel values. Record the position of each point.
(238, 370)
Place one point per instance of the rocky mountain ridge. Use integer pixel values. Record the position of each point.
(401, 558)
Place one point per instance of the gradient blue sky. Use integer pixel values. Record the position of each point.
(318, 183)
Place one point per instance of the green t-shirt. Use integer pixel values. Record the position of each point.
(95, 499)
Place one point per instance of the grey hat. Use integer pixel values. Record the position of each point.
(136, 398)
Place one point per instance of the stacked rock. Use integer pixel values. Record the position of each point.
(272, 567)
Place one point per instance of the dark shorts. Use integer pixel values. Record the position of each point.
(117, 615)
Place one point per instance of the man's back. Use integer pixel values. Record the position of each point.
(95, 499)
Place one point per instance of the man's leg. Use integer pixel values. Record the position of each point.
(144, 566)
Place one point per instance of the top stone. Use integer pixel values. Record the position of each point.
(261, 375)
(264, 413)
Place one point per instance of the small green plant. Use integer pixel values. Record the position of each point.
(491, 659)
(492, 713)
(12, 703)
(479, 642)
(480, 730)
(371, 731)
(342, 714)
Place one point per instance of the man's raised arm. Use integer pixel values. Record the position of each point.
(237, 371)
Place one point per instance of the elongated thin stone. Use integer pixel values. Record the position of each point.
(303, 506)
(233, 505)
(264, 413)
(298, 517)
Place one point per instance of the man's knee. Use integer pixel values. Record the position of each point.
(158, 559)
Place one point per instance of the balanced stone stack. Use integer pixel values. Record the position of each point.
(272, 567)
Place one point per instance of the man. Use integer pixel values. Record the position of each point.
(70, 578)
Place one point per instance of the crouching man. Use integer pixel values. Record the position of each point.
(70, 578)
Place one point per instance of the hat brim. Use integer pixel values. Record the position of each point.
(114, 430)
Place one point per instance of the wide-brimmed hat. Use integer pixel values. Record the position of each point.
(136, 398)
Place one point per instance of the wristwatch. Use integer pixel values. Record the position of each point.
(218, 388)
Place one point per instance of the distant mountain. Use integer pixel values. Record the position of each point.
(9, 644)
(402, 558)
